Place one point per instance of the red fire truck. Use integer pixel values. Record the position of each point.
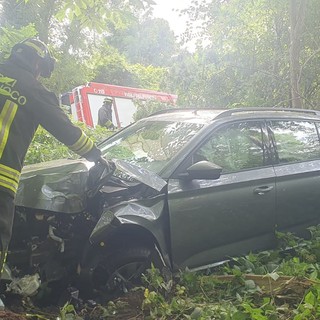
(86, 100)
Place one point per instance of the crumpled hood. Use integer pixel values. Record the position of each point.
(62, 185)
(58, 185)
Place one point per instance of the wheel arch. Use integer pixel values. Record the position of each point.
(109, 247)
(127, 235)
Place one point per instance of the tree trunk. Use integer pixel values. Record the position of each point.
(297, 16)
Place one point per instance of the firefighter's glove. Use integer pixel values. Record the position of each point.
(99, 174)
(109, 165)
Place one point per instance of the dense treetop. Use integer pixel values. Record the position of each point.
(261, 53)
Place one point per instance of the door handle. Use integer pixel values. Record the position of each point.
(262, 190)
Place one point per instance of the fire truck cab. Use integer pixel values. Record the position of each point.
(85, 102)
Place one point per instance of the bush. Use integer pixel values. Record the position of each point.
(45, 147)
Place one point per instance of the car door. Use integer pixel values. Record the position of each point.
(297, 174)
(213, 219)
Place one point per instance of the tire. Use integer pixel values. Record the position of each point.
(112, 275)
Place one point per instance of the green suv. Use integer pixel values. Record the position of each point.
(184, 188)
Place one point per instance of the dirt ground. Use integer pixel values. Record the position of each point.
(126, 307)
(9, 315)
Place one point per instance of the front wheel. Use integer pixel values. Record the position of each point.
(116, 273)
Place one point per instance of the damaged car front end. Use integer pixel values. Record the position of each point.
(70, 222)
(96, 227)
(130, 233)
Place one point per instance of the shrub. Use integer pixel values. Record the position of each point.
(45, 147)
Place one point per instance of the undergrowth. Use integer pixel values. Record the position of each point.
(228, 293)
(269, 285)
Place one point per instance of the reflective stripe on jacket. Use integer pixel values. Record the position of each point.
(24, 105)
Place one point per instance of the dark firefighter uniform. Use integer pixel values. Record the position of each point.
(105, 115)
(24, 105)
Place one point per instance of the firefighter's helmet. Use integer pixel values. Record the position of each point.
(107, 100)
(38, 48)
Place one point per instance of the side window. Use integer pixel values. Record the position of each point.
(236, 147)
(295, 141)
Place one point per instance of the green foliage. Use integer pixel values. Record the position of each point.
(243, 59)
(10, 36)
(120, 152)
(97, 14)
(155, 47)
(309, 308)
(68, 312)
(76, 32)
(244, 54)
(112, 67)
(191, 77)
(148, 77)
(69, 72)
(45, 147)
(215, 296)
(145, 108)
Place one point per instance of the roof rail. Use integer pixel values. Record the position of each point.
(177, 109)
(230, 112)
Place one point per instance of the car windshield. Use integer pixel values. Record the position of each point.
(150, 144)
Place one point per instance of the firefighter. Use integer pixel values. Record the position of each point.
(24, 105)
(105, 114)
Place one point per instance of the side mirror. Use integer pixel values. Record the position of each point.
(202, 170)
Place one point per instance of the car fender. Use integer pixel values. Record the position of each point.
(147, 216)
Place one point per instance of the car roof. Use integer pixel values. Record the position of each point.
(186, 115)
(206, 115)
